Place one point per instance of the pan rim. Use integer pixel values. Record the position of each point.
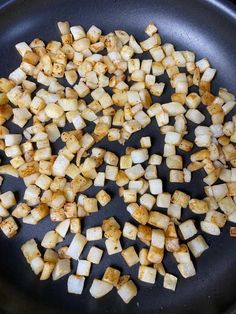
(223, 5)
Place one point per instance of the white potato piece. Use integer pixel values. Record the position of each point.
(100, 288)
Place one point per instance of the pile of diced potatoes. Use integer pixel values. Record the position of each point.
(113, 84)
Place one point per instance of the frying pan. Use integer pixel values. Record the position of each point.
(209, 29)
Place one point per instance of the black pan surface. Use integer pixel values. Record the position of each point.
(209, 29)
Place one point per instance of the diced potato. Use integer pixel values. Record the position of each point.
(197, 246)
(180, 198)
(187, 229)
(163, 200)
(143, 253)
(37, 265)
(135, 172)
(50, 239)
(30, 250)
(94, 233)
(198, 206)
(94, 255)
(158, 238)
(90, 205)
(170, 282)
(99, 288)
(103, 198)
(111, 276)
(112, 246)
(155, 186)
(187, 269)
(147, 200)
(47, 270)
(139, 213)
(147, 274)
(227, 205)
(8, 199)
(130, 196)
(63, 227)
(61, 269)
(127, 291)
(130, 231)
(130, 256)
(210, 228)
(75, 284)
(76, 246)
(158, 220)
(9, 227)
(100, 179)
(83, 268)
(21, 210)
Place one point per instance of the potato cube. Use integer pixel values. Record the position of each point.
(37, 265)
(100, 179)
(210, 228)
(155, 254)
(187, 229)
(144, 233)
(135, 172)
(83, 268)
(76, 246)
(43, 182)
(158, 238)
(130, 196)
(9, 227)
(163, 200)
(176, 176)
(227, 205)
(90, 205)
(186, 145)
(170, 282)
(113, 246)
(8, 199)
(127, 291)
(61, 269)
(174, 162)
(125, 162)
(197, 246)
(216, 217)
(99, 288)
(145, 142)
(147, 200)
(155, 160)
(158, 220)
(155, 186)
(94, 233)
(147, 274)
(143, 260)
(103, 197)
(111, 276)
(139, 213)
(30, 250)
(50, 239)
(75, 284)
(47, 270)
(21, 210)
(180, 198)
(187, 269)
(130, 231)
(50, 256)
(130, 256)
(111, 172)
(95, 255)
(198, 206)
